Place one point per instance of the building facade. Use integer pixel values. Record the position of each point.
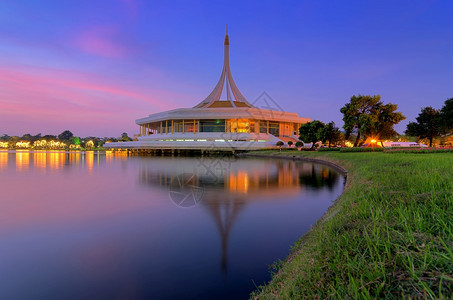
(225, 120)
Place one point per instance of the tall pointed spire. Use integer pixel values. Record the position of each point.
(234, 96)
(227, 42)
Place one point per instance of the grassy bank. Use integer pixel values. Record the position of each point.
(389, 235)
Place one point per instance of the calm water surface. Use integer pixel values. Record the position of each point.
(104, 226)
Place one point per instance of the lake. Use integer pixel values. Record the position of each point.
(88, 225)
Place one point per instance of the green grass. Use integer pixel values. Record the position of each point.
(390, 235)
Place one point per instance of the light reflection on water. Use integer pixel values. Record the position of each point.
(99, 225)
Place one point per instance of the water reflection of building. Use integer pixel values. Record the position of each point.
(229, 186)
(268, 179)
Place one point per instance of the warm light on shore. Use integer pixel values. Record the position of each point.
(89, 144)
(22, 144)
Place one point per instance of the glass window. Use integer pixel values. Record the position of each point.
(263, 126)
(177, 126)
(190, 126)
(274, 128)
(240, 125)
(212, 125)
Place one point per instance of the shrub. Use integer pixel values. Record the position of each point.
(329, 149)
(358, 149)
(419, 150)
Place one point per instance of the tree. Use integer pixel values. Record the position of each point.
(290, 143)
(299, 144)
(312, 132)
(428, 125)
(65, 135)
(125, 137)
(26, 137)
(5, 137)
(75, 140)
(332, 133)
(49, 137)
(447, 115)
(370, 117)
(385, 117)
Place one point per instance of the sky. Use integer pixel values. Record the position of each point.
(94, 67)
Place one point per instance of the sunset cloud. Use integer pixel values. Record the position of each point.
(102, 41)
(34, 99)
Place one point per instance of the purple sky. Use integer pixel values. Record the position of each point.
(93, 67)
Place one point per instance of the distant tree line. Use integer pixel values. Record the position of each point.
(66, 138)
(432, 123)
(367, 117)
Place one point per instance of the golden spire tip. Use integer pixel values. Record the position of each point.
(227, 42)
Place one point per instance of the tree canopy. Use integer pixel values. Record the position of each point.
(447, 115)
(66, 135)
(125, 137)
(428, 125)
(370, 117)
(312, 132)
(332, 134)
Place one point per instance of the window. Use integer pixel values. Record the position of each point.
(274, 128)
(212, 125)
(241, 125)
(177, 126)
(263, 126)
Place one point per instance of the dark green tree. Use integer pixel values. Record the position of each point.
(125, 137)
(357, 114)
(290, 143)
(332, 134)
(370, 117)
(26, 137)
(65, 135)
(49, 137)
(312, 132)
(299, 144)
(428, 125)
(447, 115)
(383, 120)
(5, 137)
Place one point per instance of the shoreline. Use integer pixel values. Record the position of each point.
(334, 165)
(359, 248)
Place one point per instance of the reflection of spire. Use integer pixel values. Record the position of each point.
(227, 195)
(225, 213)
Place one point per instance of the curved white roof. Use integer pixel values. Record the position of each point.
(223, 113)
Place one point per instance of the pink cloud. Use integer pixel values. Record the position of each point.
(49, 101)
(101, 41)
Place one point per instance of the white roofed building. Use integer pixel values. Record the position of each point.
(224, 121)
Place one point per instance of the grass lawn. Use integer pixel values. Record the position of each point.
(390, 234)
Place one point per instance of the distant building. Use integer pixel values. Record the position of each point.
(403, 144)
(225, 120)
